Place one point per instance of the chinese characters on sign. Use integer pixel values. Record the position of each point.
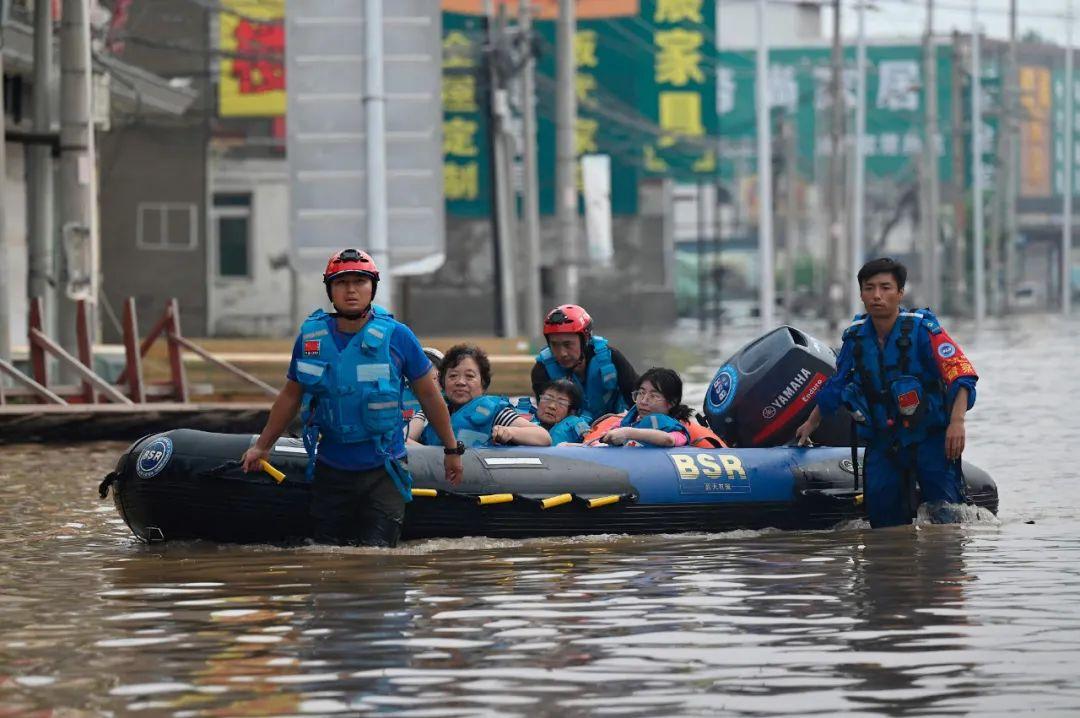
(463, 128)
(684, 83)
(252, 38)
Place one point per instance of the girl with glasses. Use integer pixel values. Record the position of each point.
(658, 417)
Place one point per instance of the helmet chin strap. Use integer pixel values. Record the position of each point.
(352, 315)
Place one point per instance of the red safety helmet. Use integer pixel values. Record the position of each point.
(351, 261)
(568, 319)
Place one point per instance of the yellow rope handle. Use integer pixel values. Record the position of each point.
(278, 476)
(604, 501)
(494, 499)
(557, 500)
(429, 493)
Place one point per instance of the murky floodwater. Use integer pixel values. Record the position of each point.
(931, 620)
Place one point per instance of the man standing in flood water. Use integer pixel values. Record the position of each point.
(908, 386)
(348, 371)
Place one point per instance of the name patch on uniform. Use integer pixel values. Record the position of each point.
(372, 372)
(311, 347)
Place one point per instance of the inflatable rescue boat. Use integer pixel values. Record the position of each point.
(187, 484)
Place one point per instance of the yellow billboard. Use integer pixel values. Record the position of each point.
(252, 42)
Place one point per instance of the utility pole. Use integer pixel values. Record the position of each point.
(41, 266)
(791, 210)
(78, 172)
(1012, 160)
(931, 233)
(767, 290)
(534, 310)
(566, 195)
(834, 285)
(857, 220)
(978, 275)
(378, 239)
(5, 285)
(503, 206)
(958, 270)
(1067, 189)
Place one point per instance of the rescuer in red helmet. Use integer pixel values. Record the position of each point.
(604, 375)
(346, 378)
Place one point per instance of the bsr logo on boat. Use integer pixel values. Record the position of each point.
(154, 457)
(784, 397)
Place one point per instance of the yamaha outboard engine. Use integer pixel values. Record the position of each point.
(768, 388)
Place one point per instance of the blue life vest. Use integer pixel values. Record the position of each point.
(571, 429)
(601, 387)
(892, 393)
(353, 395)
(472, 422)
(660, 422)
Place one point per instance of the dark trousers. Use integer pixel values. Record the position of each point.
(889, 477)
(356, 508)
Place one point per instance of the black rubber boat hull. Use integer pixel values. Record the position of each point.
(186, 484)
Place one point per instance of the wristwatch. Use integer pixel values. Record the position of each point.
(456, 451)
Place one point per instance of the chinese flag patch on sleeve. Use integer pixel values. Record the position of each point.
(311, 347)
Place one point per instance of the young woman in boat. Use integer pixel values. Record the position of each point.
(658, 417)
(479, 419)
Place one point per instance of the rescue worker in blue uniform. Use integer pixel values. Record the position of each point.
(557, 410)
(908, 386)
(604, 375)
(347, 374)
(479, 419)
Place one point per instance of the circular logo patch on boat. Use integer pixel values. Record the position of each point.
(849, 467)
(722, 389)
(768, 413)
(946, 350)
(154, 457)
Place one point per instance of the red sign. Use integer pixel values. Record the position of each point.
(254, 71)
(311, 347)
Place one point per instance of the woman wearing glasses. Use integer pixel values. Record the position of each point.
(558, 410)
(658, 417)
(653, 420)
(478, 418)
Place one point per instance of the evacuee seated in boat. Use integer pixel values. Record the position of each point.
(478, 419)
(658, 417)
(558, 410)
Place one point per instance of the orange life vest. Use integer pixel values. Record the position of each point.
(701, 437)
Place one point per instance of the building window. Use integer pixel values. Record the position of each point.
(232, 222)
(166, 226)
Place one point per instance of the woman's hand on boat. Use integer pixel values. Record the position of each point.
(252, 457)
(453, 469)
(617, 437)
(502, 435)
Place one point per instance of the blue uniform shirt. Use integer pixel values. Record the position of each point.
(829, 395)
(409, 358)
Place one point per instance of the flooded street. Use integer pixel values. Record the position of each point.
(981, 618)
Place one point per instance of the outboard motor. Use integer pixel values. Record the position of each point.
(767, 389)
